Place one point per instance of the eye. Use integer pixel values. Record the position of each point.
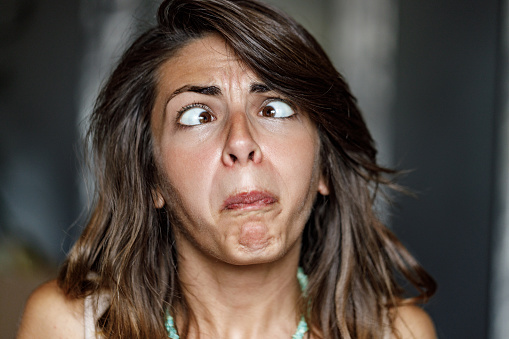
(195, 116)
(277, 109)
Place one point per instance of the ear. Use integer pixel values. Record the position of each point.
(157, 198)
(323, 188)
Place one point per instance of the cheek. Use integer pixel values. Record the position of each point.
(189, 170)
(297, 164)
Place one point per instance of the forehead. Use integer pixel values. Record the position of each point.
(205, 60)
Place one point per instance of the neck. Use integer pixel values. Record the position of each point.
(251, 301)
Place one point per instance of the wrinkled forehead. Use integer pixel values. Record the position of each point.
(204, 56)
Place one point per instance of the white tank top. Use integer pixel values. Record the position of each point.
(95, 305)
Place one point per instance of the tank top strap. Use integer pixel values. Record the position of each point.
(95, 305)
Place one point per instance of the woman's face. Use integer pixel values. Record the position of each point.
(239, 162)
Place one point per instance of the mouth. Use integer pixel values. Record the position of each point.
(249, 201)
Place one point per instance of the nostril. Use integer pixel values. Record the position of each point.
(233, 157)
(251, 155)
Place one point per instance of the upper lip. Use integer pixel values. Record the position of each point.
(248, 199)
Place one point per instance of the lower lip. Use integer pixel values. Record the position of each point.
(248, 201)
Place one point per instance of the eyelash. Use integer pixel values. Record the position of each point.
(289, 103)
(205, 107)
(184, 109)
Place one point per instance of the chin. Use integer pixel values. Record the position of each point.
(244, 255)
(253, 260)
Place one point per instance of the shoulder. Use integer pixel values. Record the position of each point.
(412, 322)
(49, 313)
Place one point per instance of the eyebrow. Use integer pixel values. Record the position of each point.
(216, 91)
(207, 90)
(259, 88)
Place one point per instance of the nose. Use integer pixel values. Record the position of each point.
(240, 147)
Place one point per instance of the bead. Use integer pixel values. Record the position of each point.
(302, 327)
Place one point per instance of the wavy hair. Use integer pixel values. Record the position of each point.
(354, 263)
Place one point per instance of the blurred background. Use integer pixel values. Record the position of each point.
(431, 76)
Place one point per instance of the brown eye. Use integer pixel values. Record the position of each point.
(196, 116)
(205, 117)
(268, 111)
(277, 109)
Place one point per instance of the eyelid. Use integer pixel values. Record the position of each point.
(276, 98)
(181, 113)
(271, 100)
(193, 105)
(265, 102)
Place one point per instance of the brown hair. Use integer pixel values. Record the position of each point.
(352, 260)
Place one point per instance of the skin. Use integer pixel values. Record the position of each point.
(49, 314)
(238, 151)
(239, 259)
(237, 262)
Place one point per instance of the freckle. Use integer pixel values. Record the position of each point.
(254, 237)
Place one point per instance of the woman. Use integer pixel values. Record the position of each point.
(235, 188)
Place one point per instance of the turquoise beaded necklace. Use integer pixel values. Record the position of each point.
(302, 328)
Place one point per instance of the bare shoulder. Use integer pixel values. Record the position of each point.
(412, 322)
(50, 314)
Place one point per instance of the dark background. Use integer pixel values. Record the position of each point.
(445, 123)
(445, 129)
(446, 113)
